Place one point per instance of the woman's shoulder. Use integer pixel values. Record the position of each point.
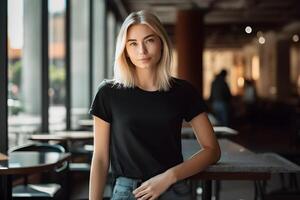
(177, 82)
(107, 84)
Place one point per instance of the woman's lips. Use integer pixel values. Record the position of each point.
(144, 59)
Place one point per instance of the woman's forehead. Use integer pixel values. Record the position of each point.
(139, 30)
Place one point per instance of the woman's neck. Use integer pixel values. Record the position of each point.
(145, 79)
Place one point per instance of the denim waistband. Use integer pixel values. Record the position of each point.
(129, 182)
(135, 183)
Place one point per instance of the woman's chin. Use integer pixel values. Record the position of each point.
(143, 66)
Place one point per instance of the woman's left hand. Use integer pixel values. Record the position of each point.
(154, 187)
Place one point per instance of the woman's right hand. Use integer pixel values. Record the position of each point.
(154, 187)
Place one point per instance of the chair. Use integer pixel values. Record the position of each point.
(44, 190)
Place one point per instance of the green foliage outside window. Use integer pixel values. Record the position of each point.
(57, 83)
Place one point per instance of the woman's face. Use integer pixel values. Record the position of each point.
(143, 46)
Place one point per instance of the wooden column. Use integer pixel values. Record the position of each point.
(189, 36)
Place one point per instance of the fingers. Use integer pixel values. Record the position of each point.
(145, 197)
(142, 193)
(141, 188)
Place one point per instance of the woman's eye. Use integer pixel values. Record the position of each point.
(150, 40)
(133, 44)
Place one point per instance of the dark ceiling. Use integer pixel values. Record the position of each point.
(225, 20)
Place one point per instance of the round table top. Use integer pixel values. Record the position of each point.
(63, 136)
(27, 162)
(86, 122)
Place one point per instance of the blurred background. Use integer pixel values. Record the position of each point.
(58, 51)
(66, 48)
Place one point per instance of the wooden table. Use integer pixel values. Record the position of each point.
(220, 131)
(86, 123)
(237, 163)
(65, 137)
(27, 163)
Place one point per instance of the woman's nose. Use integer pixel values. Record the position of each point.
(142, 49)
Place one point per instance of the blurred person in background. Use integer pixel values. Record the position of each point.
(220, 98)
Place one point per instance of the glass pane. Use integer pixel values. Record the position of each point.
(57, 72)
(24, 71)
(111, 38)
(80, 61)
(99, 48)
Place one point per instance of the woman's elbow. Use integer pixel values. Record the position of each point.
(216, 154)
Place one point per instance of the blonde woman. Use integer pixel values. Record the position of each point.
(138, 117)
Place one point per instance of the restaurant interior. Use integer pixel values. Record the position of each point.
(55, 53)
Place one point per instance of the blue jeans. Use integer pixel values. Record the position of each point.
(124, 187)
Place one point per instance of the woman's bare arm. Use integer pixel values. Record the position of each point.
(209, 154)
(100, 160)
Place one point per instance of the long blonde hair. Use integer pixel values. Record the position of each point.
(123, 68)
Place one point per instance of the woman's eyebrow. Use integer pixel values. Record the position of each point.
(133, 40)
(151, 35)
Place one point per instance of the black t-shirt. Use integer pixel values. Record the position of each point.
(145, 126)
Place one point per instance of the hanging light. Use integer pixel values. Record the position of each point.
(261, 40)
(295, 38)
(248, 29)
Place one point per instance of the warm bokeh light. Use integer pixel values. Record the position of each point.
(261, 40)
(255, 68)
(295, 38)
(240, 82)
(273, 90)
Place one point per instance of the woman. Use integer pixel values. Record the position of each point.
(138, 117)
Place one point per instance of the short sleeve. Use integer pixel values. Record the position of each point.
(194, 103)
(100, 106)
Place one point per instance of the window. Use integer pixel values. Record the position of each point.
(24, 69)
(57, 68)
(80, 65)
